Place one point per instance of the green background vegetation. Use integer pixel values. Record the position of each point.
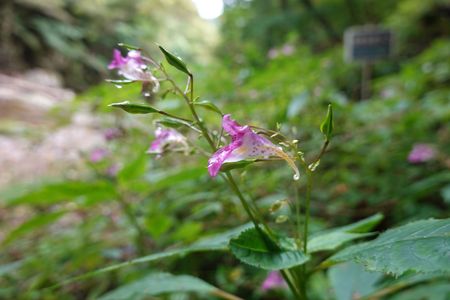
(76, 223)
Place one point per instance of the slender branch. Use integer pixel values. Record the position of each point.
(224, 295)
(140, 233)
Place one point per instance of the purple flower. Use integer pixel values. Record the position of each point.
(167, 139)
(98, 154)
(273, 53)
(245, 143)
(133, 67)
(112, 170)
(421, 153)
(112, 133)
(288, 49)
(272, 281)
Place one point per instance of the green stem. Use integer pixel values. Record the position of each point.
(307, 213)
(287, 276)
(140, 234)
(231, 182)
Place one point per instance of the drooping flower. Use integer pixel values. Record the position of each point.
(245, 144)
(133, 67)
(421, 153)
(167, 139)
(272, 281)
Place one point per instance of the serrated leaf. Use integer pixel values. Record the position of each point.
(421, 246)
(157, 284)
(332, 239)
(175, 61)
(327, 125)
(431, 291)
(236, 165)
(350, 279)
(252, 248)
(134, 108)
(208, 105)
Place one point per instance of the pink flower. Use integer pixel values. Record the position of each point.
(288, 49)
(98, 154)
(272, 281)
(245, 143)
(421, 153)
(273, 53)
(112, 170)
(133, 67)
(112, 133)
(167, 139)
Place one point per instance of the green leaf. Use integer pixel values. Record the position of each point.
(421, 246)
(327, 125)
(208, 105)
(11, 267)
(218, 242)
(119, 81)
(236, 165)
(134, 169)
(175, 123)
(129, 47)
(157, 284)
(86, 193)
(334, 238)
(350, 279)
(31, 225)
(175, 61)
(134, 108)
(431, 291)
(256, 249)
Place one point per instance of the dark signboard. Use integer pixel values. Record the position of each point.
(367, 43)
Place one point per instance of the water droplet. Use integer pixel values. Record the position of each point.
(118, 86)
(296, 177)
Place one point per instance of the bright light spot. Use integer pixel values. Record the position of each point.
(209, 9)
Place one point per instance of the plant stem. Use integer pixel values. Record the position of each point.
(140, 234)
(307, 208)
(287, 278)
(224, 295)
(231, 182)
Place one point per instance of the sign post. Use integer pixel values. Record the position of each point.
(367, 44)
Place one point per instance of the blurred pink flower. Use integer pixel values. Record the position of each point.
(288, 49)
(421, 153)
(245, 143)
(273, 53)
(112, 170)
(133, 67)
(167, 139)
(112, 133)
(98, 154)
(272, 281)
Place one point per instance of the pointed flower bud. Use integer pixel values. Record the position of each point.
(245, 144)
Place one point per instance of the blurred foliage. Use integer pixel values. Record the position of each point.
(75, 38)
(77, 225)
